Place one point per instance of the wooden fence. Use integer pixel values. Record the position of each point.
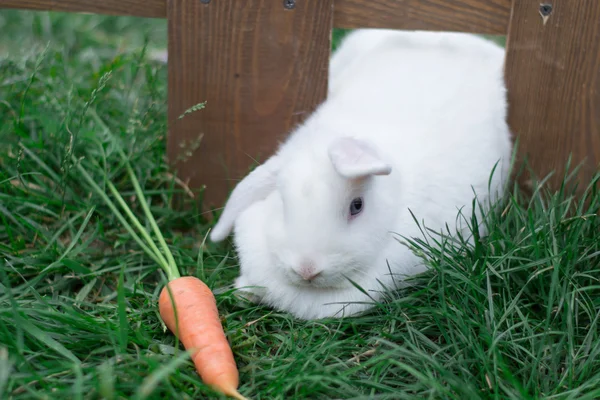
(261, 65)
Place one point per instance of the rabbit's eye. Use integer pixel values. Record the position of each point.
(356, 206)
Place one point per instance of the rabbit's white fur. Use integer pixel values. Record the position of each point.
(414, 121)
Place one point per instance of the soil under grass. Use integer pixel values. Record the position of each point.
(513, 317)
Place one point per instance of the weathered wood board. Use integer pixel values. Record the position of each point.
(136, 8)
(553, 78)
(475, 16)
(259, 66)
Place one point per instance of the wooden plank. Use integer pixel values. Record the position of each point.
(138, 8)
(476, 16)
(260, 67)
(553, 79)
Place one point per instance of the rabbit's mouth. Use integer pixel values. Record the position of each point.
(296, 279)
(331, 271)
(323, 280)
(316, 284)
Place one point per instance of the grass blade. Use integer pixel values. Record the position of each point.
(121, 307)
(77, 236)
(45, 338)
(151, 382)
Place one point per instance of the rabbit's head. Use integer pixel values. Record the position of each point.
(321, 220)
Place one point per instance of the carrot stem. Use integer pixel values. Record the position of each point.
(172, 273)
(143, 231)
(118, 214)
(170, 267)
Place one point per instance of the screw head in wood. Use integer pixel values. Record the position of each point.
(289, 4)
(545, 9)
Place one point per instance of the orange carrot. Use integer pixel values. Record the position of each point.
(195, 318)
(199, 329)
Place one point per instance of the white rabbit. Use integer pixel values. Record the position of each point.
(414, 121)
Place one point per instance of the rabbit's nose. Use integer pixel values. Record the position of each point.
(307, 270)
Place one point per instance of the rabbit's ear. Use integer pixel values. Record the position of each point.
(257, 185)
(354, 158)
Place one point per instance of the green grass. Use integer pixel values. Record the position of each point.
(513, 317)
